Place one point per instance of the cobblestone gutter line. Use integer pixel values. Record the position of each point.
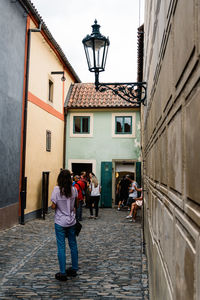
(145, 280)
(25, 260)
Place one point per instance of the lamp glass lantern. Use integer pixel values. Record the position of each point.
(96, 49)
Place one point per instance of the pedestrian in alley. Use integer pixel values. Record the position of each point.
(76, 178)
(123, 191)
(81, 186)
(134, 207)
(133, 189)
(63, 202)
(87, 194)
(95, 192)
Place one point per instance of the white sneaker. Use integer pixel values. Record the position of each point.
(118, 208)
(128, 217)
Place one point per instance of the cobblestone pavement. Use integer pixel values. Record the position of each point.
(111, 262)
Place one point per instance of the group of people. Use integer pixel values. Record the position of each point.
(127, 192)
(67, 199)
(89, 191)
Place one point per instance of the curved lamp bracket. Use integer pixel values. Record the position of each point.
(96, 49)
(132, 92)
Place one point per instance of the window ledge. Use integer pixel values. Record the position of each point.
(81, 135)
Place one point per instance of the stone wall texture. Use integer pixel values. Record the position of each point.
(171, 148)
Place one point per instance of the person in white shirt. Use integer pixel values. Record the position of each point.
(134, 207)
(95, 191)
(132, 193)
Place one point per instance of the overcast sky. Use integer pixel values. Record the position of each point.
(69, 21)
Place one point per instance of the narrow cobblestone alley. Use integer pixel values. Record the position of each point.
(111, 262)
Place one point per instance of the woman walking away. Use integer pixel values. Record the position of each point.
(95, 191)
(63, 201)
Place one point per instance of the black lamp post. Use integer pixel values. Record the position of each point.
(96, 49)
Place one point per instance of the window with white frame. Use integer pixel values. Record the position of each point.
(81, 125)
(123, 125)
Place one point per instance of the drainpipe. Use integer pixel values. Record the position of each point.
(64, 140)
(143, 214)
(24, 179)
(65, 127)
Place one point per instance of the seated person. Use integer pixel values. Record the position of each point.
(132, 193)
(138, 203)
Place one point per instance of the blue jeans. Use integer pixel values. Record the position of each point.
(60, 238)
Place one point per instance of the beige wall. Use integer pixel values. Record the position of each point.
(171, 147)
(43, 61)
(44, 115)
(38, 159)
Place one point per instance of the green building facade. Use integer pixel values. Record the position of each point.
(97, 142)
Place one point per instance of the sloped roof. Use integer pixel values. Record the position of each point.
(30, 9)
(84, 95)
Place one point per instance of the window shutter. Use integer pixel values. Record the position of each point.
(138, 173)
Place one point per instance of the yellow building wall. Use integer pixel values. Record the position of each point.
(43, 61)
(44, 115)
(38, 159)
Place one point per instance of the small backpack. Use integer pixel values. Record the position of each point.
(82, 190)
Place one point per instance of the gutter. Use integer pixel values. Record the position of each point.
(64, 139)
(65, 124)
(33, 11)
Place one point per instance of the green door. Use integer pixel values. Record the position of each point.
(138, 173)
(106, 184)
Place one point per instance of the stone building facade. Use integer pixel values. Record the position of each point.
(171, 147)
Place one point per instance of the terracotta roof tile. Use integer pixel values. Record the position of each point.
(84, 95)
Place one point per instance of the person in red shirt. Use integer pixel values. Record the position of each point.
(81, 187)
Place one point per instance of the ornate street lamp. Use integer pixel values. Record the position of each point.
(96, 49)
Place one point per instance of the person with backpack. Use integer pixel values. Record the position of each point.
(81, 186)
(76, 178)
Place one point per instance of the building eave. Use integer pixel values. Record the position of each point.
(31, 10)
